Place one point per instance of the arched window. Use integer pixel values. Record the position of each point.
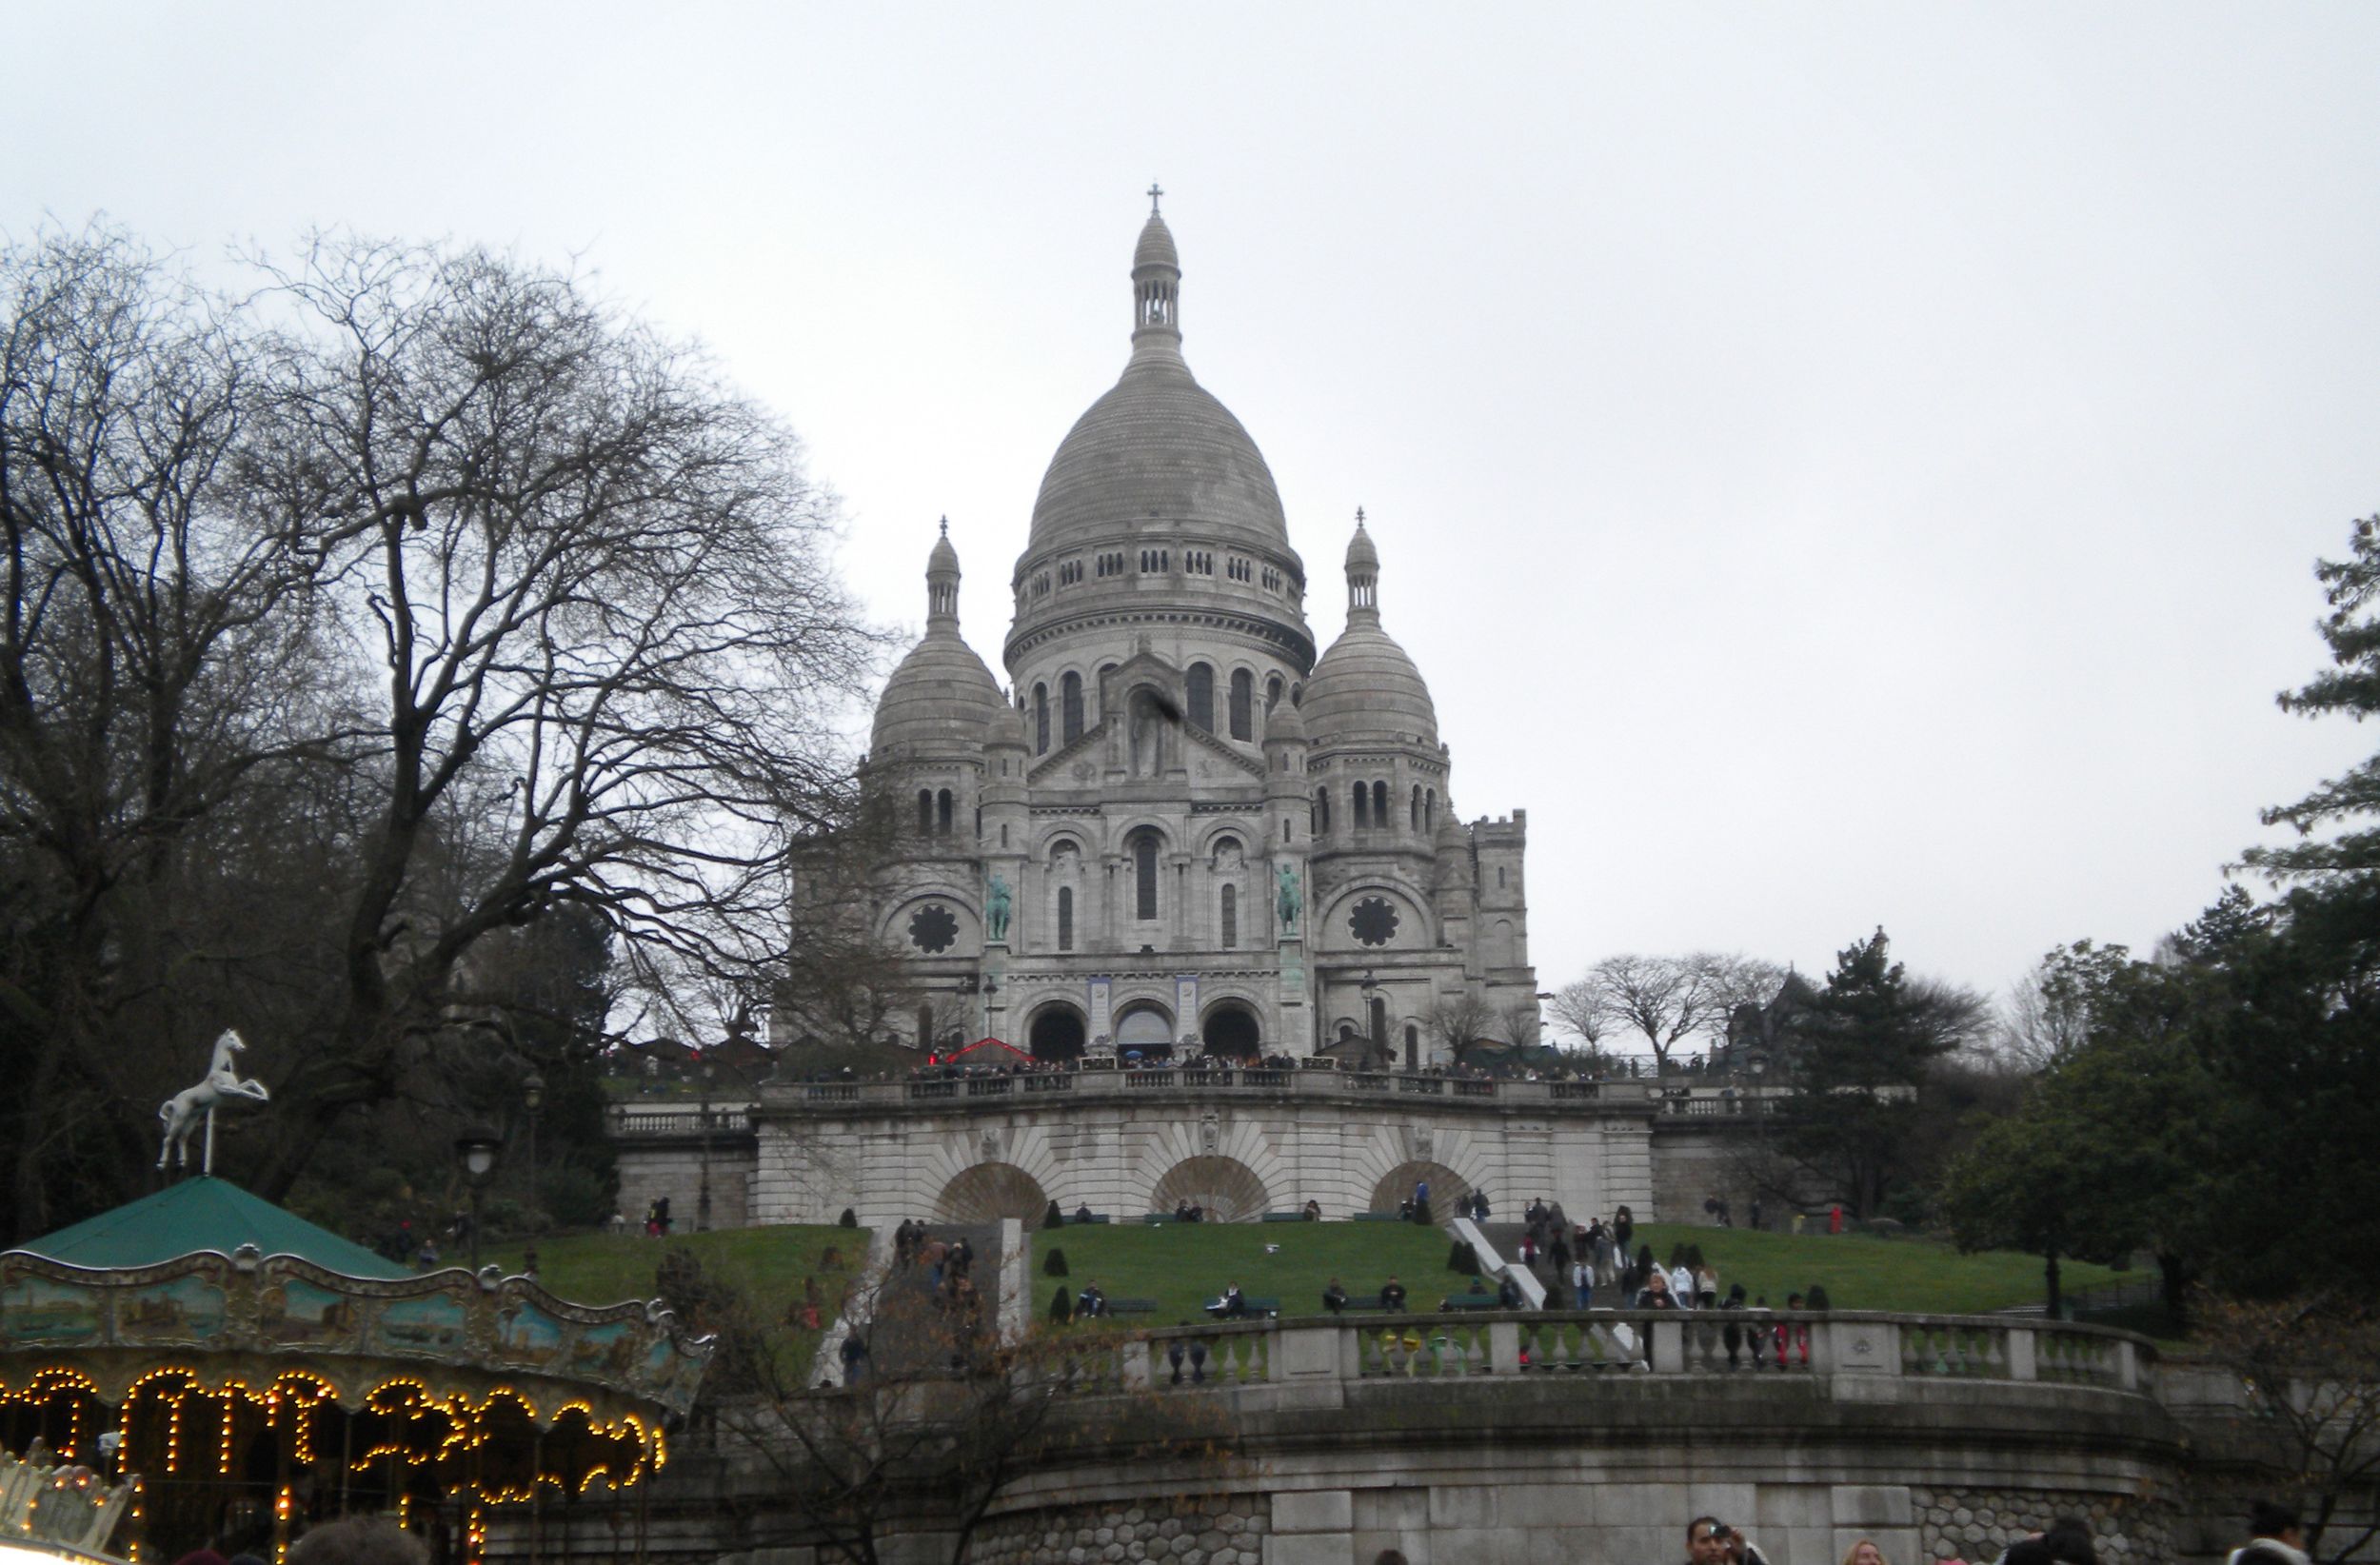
(1379, 1025)
(926, 1027)
(1380, 804)
(1231, 918)
(1416, 806)
(1070, 697)
(1041, 719)
(1429, 810)
(1412, 1047)
(1201, 683)
(1242, 703)
(1321, 811)
(1145, 875)
(1272, 692)
(1364, 806)
(925, 812)
(941, 812)
(1065, 918)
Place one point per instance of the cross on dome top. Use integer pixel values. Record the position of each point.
(1154, 191)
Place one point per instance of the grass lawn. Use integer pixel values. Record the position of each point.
(1182, 1265)
(1918, 1275)
(767, 1265)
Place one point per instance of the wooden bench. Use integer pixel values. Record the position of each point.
(1095, 1216)
(1466, 1304)
(1258, 1308)
(1381, 1216)
(1283, 1217)
(1360, 1304)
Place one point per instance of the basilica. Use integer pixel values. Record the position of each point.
(1179, 831)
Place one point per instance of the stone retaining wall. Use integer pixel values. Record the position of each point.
(1215, 1529)
(1976, 1524)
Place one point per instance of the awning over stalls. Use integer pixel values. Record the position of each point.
(987, 1051)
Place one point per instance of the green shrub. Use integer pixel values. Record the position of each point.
(1463, 1257)
(1053, 1217)
(849, 1219)
(1062, 1305)
(1054, 1264)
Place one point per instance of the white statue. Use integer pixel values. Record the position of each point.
(181, 1111)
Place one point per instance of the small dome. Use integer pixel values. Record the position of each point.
(1361, 554)
(945, 557)
(1155, 248)
(1367, 687)
(1283, 725)
(940, 698)
(1009, 728)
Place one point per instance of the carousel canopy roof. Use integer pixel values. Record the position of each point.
(202, 1214)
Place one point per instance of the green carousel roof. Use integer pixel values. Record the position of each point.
(202, 1214)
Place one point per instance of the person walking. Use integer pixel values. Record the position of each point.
(1582, 1284)
(2275, 1536)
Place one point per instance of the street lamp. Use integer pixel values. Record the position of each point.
(477, 1149)
(533, 1100)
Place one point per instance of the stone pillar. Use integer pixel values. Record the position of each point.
(1185, 1015)
(994, 1009)
(1297, 1029)
(1098, 1003)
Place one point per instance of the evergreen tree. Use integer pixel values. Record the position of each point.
(2351, 629)
(1862, 1058)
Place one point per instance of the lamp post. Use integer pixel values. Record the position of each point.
(533, 1100)
(477, 1151)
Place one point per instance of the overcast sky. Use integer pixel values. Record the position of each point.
(1835, 466)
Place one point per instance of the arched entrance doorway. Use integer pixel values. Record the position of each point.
(1231, 1030)
(989, 1192)
(1145, 1030)
(1446, 1187)
(1056, 1034)
(1226, 1189)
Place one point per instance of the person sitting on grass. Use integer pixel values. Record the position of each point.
(1393, 1296)
(1334, 1298)
(1090, 1302)
(1232, 1306)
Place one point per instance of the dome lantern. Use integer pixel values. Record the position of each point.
(1363, 574)
(941, 579)
(1156, 282)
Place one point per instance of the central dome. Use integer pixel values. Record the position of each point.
(1159, 447)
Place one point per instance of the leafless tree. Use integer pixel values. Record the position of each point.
(942, 1414)
(1459, 1021)
(1667, 999)
(2307, 1374)
(160, 683)
(1580, 1009)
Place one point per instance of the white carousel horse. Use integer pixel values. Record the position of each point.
(183, 1111)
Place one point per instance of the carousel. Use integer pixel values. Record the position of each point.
(201, 1369)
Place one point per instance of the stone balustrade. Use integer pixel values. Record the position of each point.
(1600, 1098)
(1298, 1358)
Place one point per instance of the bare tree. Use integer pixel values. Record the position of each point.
(1459, 1021)
(2307, 1374)
(1581, 1009)
(940, 1413)
(159, 663)
(1668, 1000)
(590, 587)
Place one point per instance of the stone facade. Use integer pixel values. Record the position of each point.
(1238, 1144)
(1178, 831)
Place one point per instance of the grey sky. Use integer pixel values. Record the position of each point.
(1834, 464)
